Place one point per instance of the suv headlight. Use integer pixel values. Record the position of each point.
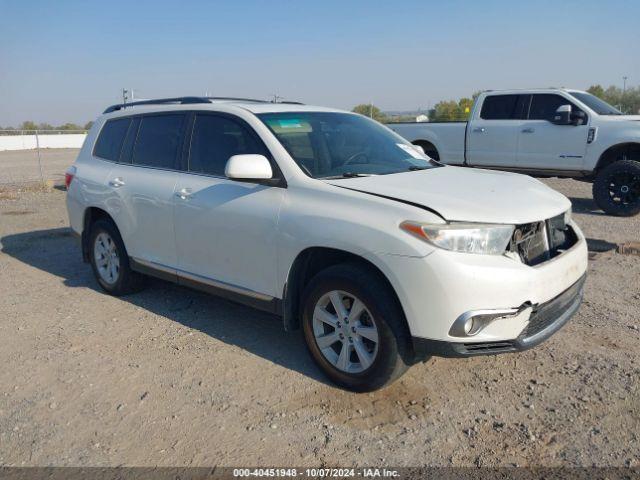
(487, 239)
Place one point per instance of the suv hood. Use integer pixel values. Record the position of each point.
(467, 195)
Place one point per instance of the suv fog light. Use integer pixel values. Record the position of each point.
(468, 325)
(472, 322)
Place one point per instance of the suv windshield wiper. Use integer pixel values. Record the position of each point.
(414, 168)
(347, 175)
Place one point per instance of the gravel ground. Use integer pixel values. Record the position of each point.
(174, 377)
(22, 165)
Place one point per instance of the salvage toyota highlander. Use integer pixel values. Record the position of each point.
(330, 220)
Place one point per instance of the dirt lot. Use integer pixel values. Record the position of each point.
(22, 165)
(174, 377)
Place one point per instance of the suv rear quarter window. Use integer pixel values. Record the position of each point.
(159, 140)
(111, 138)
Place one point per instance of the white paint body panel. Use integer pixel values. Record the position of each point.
(249, 235)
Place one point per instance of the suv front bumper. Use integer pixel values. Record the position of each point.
(545, 320)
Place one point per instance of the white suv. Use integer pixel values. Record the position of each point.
(331, 221)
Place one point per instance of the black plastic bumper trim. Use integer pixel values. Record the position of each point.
(545, 320)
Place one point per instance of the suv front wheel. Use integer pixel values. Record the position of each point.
(354, 328)
(109, 260)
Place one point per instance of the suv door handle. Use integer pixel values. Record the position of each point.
(528, 130)
(479, 130)
(117, 182)
(184, 193)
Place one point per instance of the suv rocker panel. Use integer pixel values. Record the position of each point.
(223, 290)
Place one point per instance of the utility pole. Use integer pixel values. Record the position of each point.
(127, 95)
(624, 91)
(370, 109)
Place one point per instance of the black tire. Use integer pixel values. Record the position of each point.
(127, 281)
(616, 189)
(394, 352)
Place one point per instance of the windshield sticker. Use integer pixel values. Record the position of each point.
(293, 125)
(290, 123)
(411, 151)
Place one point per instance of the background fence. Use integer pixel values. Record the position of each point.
(28, 156)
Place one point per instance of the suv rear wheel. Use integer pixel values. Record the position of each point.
(110, 261)
(616, 189)
(354, 328)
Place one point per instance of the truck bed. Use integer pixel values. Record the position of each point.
(448, 138)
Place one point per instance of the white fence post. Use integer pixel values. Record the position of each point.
(39, 158)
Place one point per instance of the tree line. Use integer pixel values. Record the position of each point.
(627, 101)
(30, 125)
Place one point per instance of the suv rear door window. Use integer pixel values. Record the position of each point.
(159, 141)
(111, 139)
(215, 139)
(544, 106)
(504, 107)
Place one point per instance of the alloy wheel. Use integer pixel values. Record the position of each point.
(105, 254)
(345, 331)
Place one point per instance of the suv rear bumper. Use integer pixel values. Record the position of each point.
(545, 320)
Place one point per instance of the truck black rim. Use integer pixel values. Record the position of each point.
(624, 189)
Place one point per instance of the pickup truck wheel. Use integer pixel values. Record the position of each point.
(616, 189)
(430, 150)
(110, 262)
(354, 328)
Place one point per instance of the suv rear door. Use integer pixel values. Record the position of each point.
(544, 145)
(492, 137)
(142, 187)
(226, 230)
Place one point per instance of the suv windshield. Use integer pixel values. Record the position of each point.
(594, 103)
(333, 144)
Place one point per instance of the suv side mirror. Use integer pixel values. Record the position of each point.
(249, 167)
(562, 115)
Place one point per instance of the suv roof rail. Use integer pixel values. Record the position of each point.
(186, 101)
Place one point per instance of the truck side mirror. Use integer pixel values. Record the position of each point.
(578, 118)
(562, 115)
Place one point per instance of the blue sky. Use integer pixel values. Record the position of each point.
(67, 60)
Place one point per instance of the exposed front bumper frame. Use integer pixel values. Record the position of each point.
(545, 320)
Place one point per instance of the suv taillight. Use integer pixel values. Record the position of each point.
(68, 176)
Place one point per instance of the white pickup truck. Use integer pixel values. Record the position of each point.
(544, 132)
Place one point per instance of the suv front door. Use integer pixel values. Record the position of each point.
(226, 231)
(544, 145)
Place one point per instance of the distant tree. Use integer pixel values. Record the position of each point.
(28, 125)
(369, 110)
(45, 126)
(450, 110)
(596, 90)
(88, 125)
(69, 126)
(627, 101)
